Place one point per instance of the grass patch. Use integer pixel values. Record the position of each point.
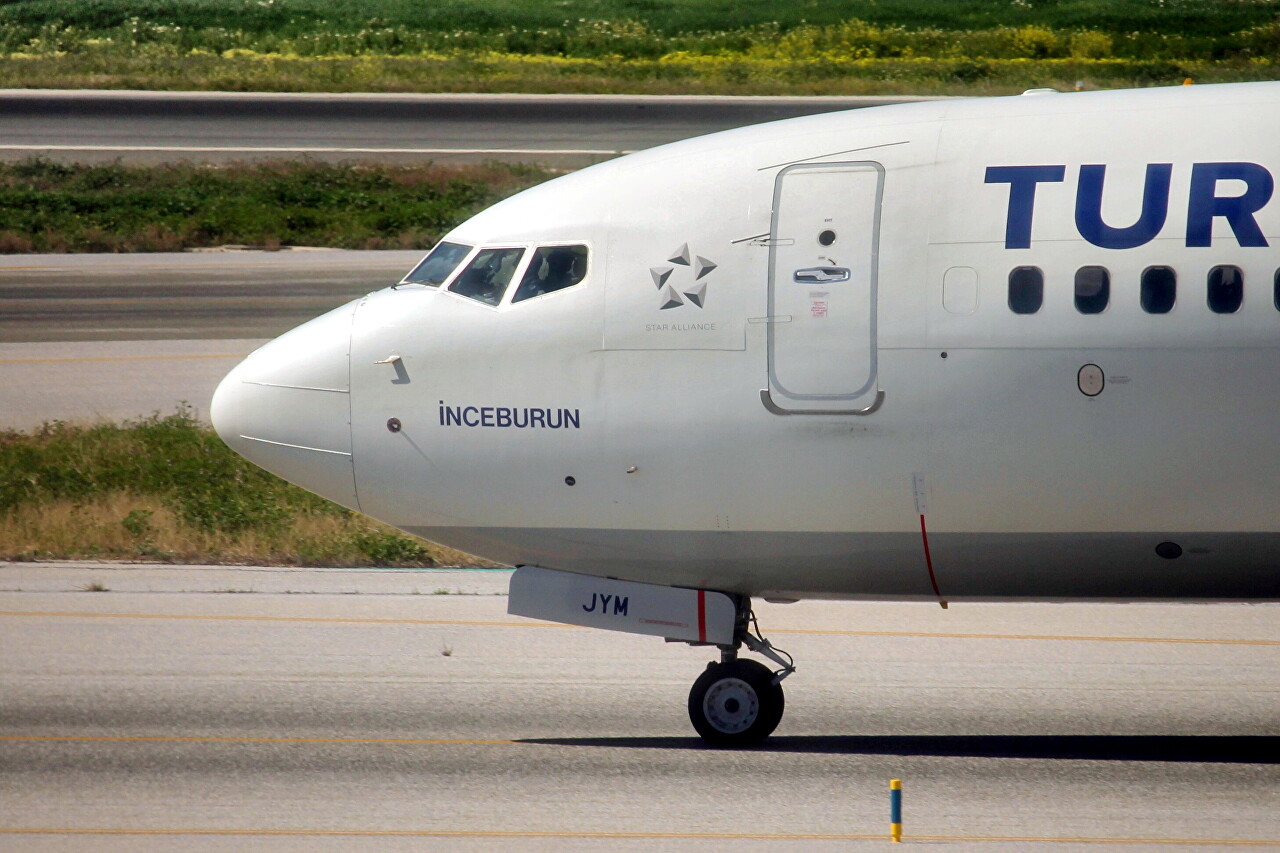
(51, 207)
(166, 489)
(653, 46)
(589, 27)
(681, 73)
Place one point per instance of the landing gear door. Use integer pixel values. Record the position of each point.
(822, 286)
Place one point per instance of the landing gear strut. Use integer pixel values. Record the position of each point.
(738, 702)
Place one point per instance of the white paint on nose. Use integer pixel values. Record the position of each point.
(287, 407)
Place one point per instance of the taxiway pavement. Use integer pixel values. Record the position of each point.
(212, 708)
(91, 337)
(183, 295)
(555, 130)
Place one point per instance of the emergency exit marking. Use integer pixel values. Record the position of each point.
(818, 304)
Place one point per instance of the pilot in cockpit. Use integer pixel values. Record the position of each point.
(552, 268)
(478, 282)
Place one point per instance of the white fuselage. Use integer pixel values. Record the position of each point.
(794, 351)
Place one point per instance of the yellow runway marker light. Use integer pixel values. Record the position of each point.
(895, 811)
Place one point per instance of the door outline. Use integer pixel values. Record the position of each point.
(775, 240)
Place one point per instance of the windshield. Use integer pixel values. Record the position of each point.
(439, 265)
(552, 268)
(486, 278)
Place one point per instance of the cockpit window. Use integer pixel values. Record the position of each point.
(552, 268)
(486, 278)
(438, 265)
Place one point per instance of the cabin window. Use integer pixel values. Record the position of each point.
(1159, 290)
(1226, 289)
(552, 268)
(1026, 290)
(1275, 290)
(1093, 289)
(486, 278)
(438, 265)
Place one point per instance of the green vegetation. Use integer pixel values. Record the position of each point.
(633, 45)
(48, 207)
(167, 489)
(255, 23)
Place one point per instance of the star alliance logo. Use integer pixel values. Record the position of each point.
(672, 294)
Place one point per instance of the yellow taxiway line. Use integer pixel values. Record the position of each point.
(271, 740)
(334, 620)
(478, 623)
(121, 358)
(946, 635)
(675, 836)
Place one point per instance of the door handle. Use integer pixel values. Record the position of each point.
(821, 275)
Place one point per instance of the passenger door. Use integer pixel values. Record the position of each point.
(824, 246)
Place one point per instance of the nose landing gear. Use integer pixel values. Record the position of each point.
(738, 702)
(734, 702)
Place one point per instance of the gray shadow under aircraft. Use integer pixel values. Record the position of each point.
(1186, 749)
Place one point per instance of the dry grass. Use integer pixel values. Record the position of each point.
(100, 529)
(165, 488)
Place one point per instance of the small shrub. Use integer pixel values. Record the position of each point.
(227, 507)
(138, 524)
(1090, 44)
(1034, 42)
(384, 547)
(1262, 40)
(971, 71)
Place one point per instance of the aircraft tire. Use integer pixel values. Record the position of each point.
(735, 703)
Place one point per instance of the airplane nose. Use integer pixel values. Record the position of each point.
(286, 407)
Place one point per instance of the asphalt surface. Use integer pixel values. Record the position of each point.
(349, 710)
(90, 337)
(558, 130)
(182, 296)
